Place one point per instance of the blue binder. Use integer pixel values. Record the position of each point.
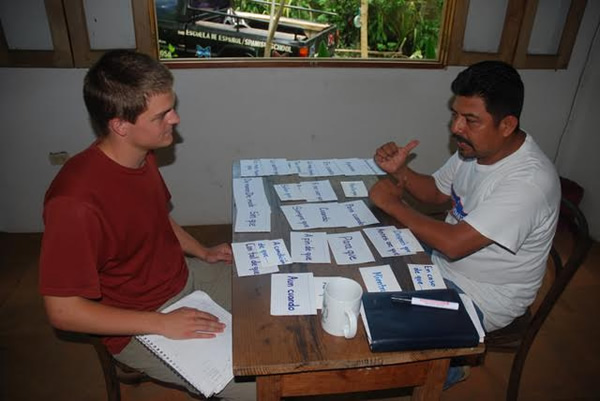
(400, 326)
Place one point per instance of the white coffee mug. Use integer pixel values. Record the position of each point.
(341, 306)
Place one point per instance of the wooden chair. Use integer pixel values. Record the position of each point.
(519, 335)
(115, 372)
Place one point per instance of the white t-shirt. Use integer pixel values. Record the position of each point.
(515, 203)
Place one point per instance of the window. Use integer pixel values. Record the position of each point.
(381, 33)
(34, 34)
(527, 34)
(300, 29)
(71, 33)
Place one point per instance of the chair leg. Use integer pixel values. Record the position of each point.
(512, 392)
(113, 388)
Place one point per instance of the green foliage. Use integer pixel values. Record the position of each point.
(409, 27)
(169, 53)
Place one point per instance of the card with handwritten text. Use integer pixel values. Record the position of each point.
(426, 277)
(380, 279)
(349, 248)
(292, 294)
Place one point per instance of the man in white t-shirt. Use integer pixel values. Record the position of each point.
(505, 196)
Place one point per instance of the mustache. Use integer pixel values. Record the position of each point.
(460, 139)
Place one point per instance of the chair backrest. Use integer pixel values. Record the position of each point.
(576, 223)
(525, 329)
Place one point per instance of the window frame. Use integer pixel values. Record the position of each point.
(508, 39)
(560, 60)
(441, 62)
(66, 19)
(59, 57)
(518, 25)
(83, 55)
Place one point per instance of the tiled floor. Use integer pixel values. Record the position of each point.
(564, 362)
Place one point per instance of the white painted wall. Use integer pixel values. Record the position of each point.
(579, 157)
(228, 114)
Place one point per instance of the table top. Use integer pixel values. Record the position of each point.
(265, 344)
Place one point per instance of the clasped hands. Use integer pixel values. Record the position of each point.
(392, 159)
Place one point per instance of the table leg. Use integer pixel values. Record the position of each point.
(268, 388)
(434, 383)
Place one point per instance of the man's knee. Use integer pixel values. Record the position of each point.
(140, 358)
(214, 279)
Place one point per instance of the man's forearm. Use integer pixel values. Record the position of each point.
(189, 244)
(86, 316)
(453, 240)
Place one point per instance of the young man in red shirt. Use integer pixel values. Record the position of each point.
(112, 257)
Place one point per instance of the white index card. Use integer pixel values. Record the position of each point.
(408, 240)
(289, 192)
(309, 247)
(380, 279)
(426, 277)
(294, 166)
(318, 191)
(314, 215)
(250, 168)
(331, 167)
(275, 167)
(311, 168)
(293, 294)
(273, 252)
(385, 241)
(376, 169)
(320, 283)
(252, 219)
(391, 241)
(359, 213)
(354, 189)
(248, 261)
(250, 192)
(354, 166)
(326, 215)
(296, 216)
(349, 248)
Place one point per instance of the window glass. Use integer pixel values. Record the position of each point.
(484, 26)
(548, 26)
(331, 29)
(27, 16)
(115, 14)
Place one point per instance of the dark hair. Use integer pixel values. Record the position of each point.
(119, 85)
(497, 83)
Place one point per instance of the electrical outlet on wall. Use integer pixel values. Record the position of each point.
(58, 158)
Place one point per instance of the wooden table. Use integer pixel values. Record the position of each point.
(294, 356)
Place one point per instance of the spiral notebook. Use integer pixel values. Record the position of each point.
(204, 363)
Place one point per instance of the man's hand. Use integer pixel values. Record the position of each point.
(219, 253)
(385, 193)
(186, 322)
(392, 158)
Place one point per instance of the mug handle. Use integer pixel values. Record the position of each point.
(350, 328)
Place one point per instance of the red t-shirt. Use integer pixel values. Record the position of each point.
(108, 237)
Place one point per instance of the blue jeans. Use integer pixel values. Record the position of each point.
(450, 284)
(455, 372)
